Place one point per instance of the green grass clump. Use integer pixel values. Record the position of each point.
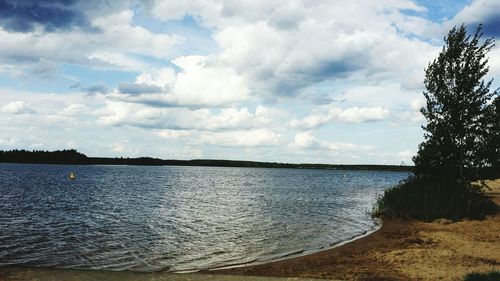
(488, 276)
(427, 199)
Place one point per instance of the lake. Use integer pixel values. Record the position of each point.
(176, 218)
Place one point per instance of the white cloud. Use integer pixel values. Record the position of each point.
(476, 12)
(217, 13)
(357, 115)
(110, 47)
(305, 140)
(413, 114)
(311, 121)
(71, 144)
(410, 116)
(17, 107)
(74, 109)
(350, 115)
(269, 116)
(494, 63)
(115, 59)
(121, 113)
(118, 147)
(406, 154)
(214, 13)
(229, 118)
(117, 113)
(390, 95)
(160, 77)
(417, 104)
(118, 30)
(281, 47)
(250, 138)
(201, 82)
(173, 134)
(288, 15)
(9, 142)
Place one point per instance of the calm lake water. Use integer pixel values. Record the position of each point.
(178, 218)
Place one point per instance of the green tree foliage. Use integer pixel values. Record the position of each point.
(461, 129)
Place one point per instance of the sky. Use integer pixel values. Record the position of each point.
(295, 81)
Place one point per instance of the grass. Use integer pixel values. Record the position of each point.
(488, 276)
(427, 199)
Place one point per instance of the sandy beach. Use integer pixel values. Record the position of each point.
(402, 250)
(20, 273)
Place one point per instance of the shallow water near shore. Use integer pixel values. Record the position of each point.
(178, 218)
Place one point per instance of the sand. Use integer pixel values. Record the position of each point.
(20, 273)
(402, 250)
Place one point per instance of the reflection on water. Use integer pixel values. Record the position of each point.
(177, 218)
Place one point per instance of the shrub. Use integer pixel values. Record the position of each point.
(426, 198)
(488, 276)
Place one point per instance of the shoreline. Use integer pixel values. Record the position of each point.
(294, 166)
(400, 250)
(25, 273)
(378, 225)
(73, 157)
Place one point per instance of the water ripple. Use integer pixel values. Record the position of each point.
(178, 218)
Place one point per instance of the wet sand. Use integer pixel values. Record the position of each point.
(402, 250)
(19, 273)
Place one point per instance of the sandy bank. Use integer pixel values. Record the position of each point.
(402, 250)
(19, 273)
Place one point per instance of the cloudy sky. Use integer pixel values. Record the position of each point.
(286, 80)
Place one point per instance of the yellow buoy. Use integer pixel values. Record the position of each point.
(72, 176)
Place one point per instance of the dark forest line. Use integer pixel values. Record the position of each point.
(74, 157)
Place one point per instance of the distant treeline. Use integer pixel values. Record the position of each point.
(74, 157)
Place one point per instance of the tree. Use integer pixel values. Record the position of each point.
(459, 109)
